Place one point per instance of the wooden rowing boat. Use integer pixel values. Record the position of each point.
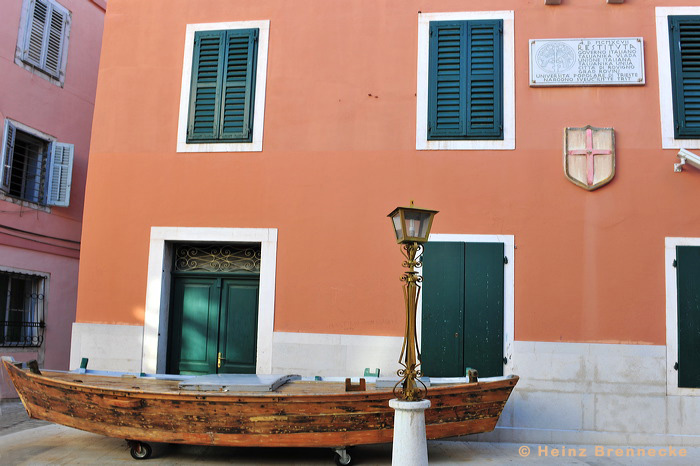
(299, 413)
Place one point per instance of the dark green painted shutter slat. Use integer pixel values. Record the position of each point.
(685, 74)
(205, 100)
(465, 80)
(688, 287)
(485, 78)
(239, 84)
(447, 82)
(443, 309)
(483, 316)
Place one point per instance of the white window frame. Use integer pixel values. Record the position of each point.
(155, 328)
(24, 30)
(668, 140)
(508, 141)
(508, 242)
(260, 85)
(672, 387)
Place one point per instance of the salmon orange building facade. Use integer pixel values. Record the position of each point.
(245, 156)
(50, 51)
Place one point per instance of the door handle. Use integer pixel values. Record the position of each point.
(218, 361)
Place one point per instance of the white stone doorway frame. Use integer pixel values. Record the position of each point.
(155, 328)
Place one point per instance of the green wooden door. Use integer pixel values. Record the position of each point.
(462, 324)
(688, 287)
(238, 325)
(211, 316)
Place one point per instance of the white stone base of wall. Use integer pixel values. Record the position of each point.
(108, 347)
(310, 354)
(568, 393)
(579, 393)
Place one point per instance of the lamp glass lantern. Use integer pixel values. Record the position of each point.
(412, 225)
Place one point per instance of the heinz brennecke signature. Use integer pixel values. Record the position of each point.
(603, 451)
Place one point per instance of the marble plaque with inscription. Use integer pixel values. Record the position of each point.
(587, 62)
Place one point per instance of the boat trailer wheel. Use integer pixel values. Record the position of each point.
(342, 458)
(140, 450)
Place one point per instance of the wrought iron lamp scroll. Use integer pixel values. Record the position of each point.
(412, 227)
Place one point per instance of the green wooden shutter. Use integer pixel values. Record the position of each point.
(223, 86)
(465, 80)
(463, 308)
(447, 80)
(688, 287)
(443, 309)
(485, 80)
(205, 95)
(684, 32)
(239, 85)
(483, 314)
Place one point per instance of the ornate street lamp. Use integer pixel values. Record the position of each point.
(412, 227)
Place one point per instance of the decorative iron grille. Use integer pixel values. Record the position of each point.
(217, 258)
(21, 310)
(22, 334)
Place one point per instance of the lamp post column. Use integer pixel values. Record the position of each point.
(410, 447)
(412, 228)
(410, 353)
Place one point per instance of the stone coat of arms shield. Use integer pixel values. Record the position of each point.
(589, 156)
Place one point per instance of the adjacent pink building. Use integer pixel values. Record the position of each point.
(49, 56)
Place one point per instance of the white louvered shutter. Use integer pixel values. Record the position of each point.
(34, 45)
(54, 42)
(45, 38)
(8, 149)
(60, 174)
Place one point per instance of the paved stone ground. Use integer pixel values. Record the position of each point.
(13, 417)
(31, 442)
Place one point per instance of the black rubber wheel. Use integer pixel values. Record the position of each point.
(141, 451)
(339, 460)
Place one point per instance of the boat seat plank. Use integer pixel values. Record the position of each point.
(237, 382)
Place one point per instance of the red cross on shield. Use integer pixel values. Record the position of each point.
(589, 156)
